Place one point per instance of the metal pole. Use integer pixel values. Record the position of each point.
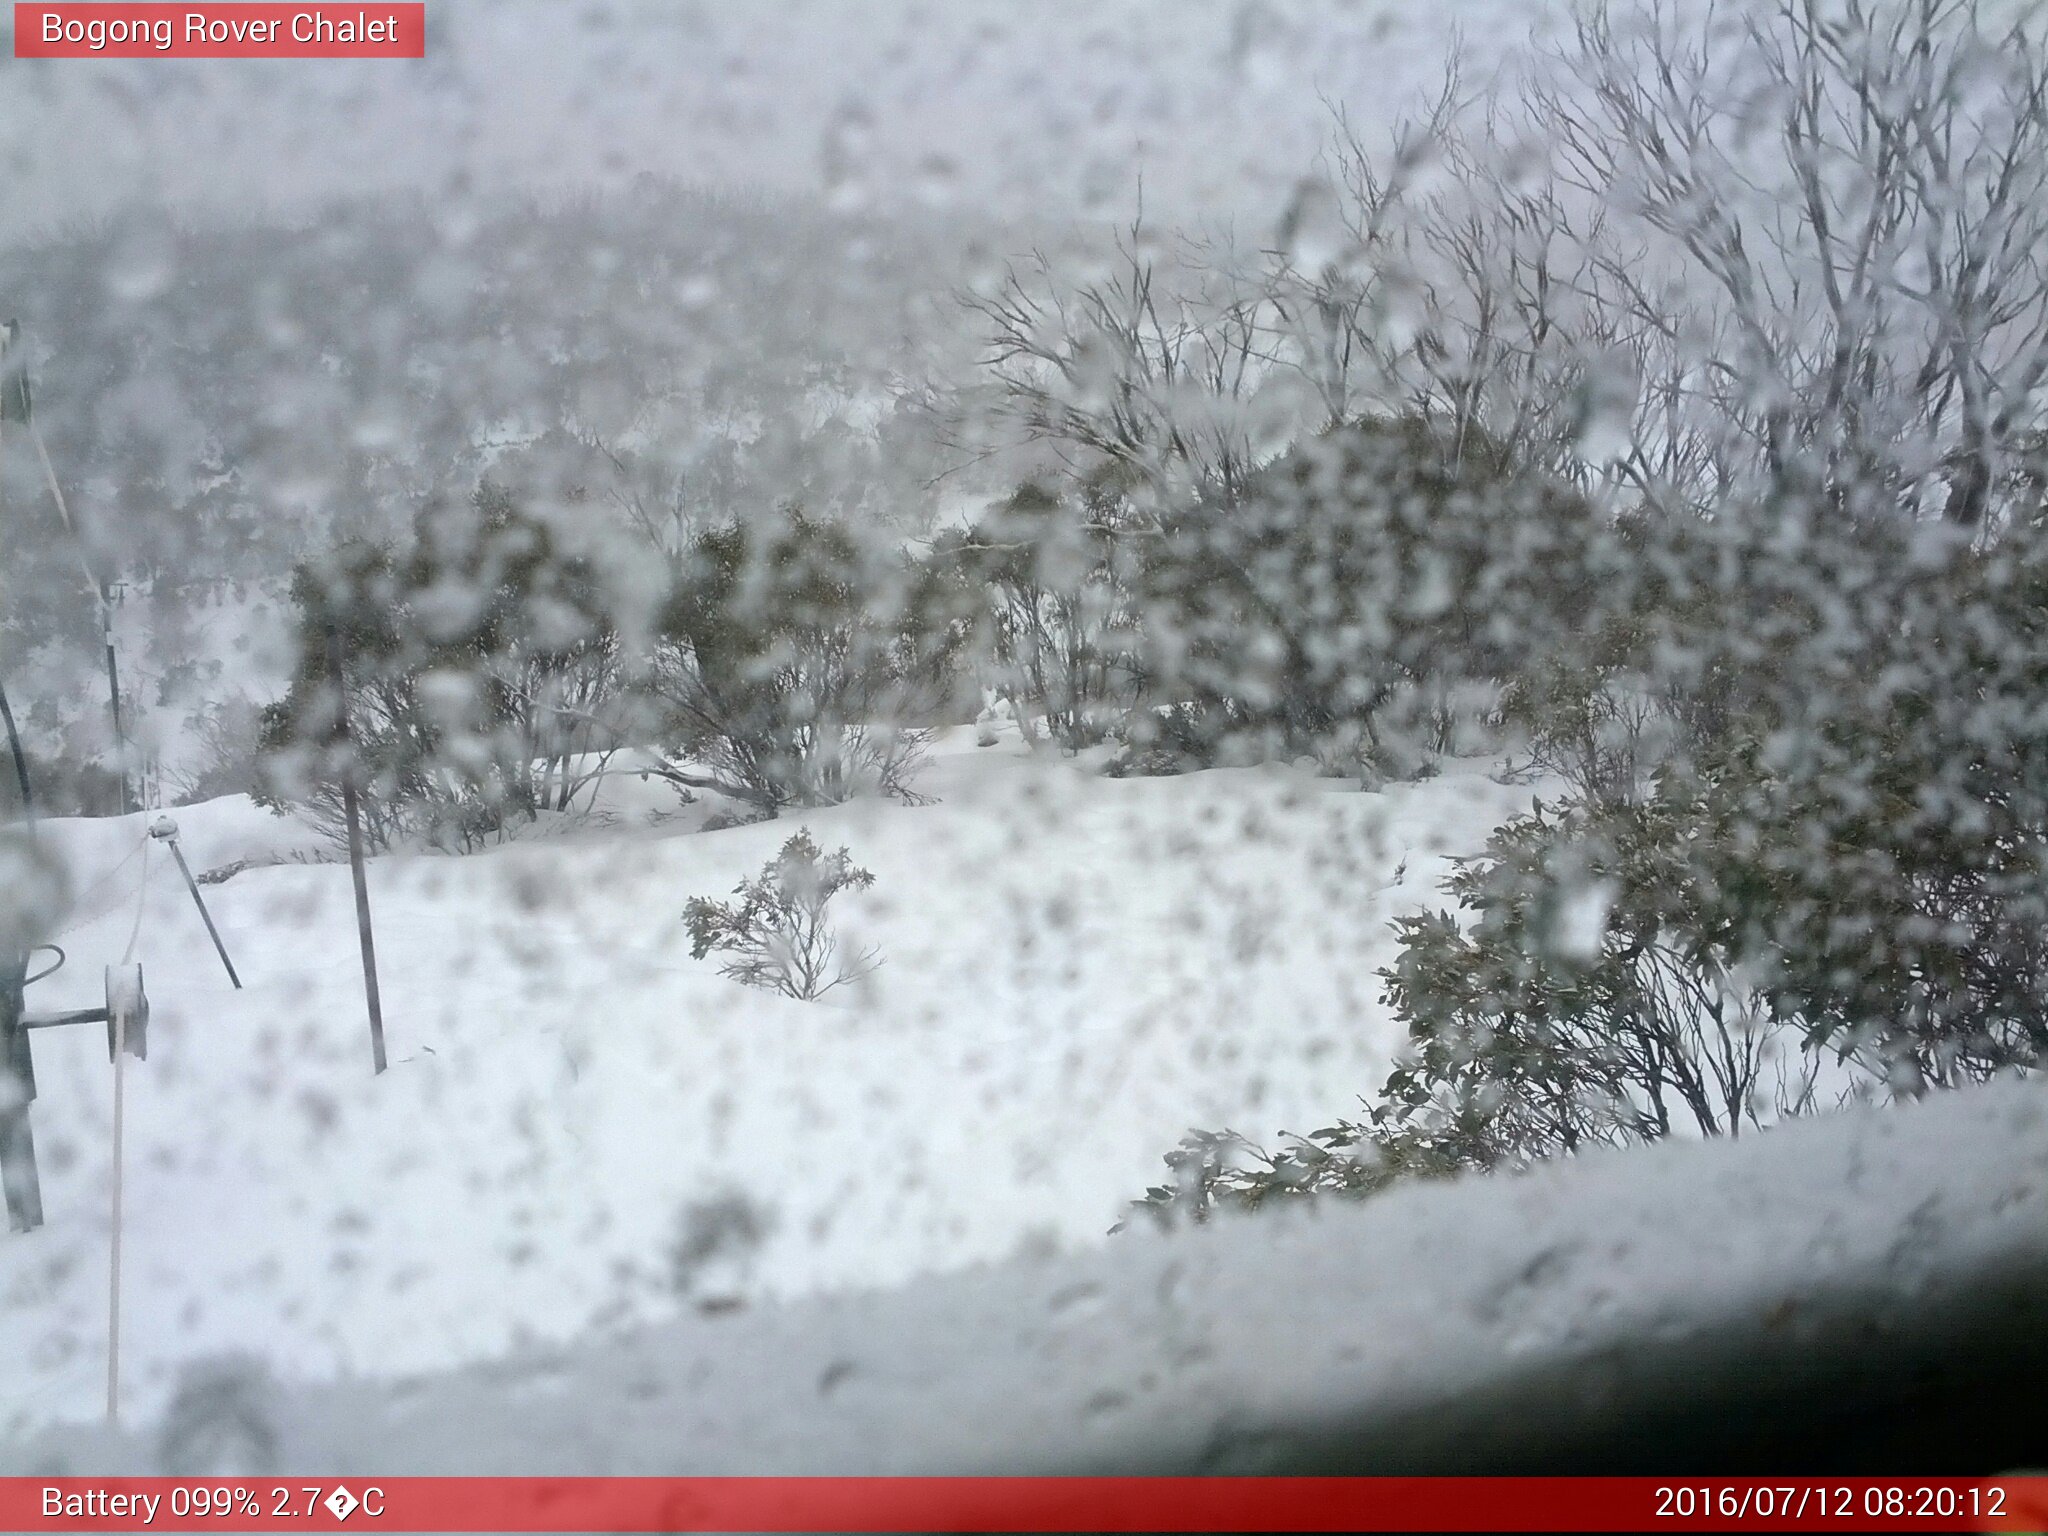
(21, 779)
(114, 698)
(20, 1187)
(99, 587)
(355, 853)
(28, 799)
(199, 901)
(17, 1091)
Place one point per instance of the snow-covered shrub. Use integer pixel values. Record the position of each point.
(1222, 1170)
(481, 668)
(774, 681)
(777, 935)
(1338, 601)
(1609, 979)
(1870, 702)
(1046, 606)
(223, 1419)
(717, 1240)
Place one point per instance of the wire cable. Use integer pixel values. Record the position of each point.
(49, 970)
(77, 544)
(141, 901)
(80, 904)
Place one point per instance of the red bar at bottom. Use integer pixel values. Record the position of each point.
(921, 1504)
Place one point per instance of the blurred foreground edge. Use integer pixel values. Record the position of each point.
(1866, 1293)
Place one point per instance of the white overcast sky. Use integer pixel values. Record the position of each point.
(1021, 107)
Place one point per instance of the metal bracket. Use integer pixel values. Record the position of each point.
(18, 1175)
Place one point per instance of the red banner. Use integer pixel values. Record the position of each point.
(920, 1504)
(372, 30)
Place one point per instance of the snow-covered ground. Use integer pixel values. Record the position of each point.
(1808, 1292)
(1076, 969)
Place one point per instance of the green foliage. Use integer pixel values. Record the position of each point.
(1607, 980)
(479, 665)
(1223, 1171)
(780, 672)
(1336, 603)
(1835, 876)
(1866, 695)
(64, 784)
(777, 935)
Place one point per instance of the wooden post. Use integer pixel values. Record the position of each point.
(355, 850)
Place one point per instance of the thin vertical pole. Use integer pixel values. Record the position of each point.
(114, 700)
(106, 607)
(28, 799)
(21, 779)
(7, 713)
(355, 852)
(23, 1189)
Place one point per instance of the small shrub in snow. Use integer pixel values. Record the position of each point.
(717, 1240)
(776, 935)
(222, 1420)
(726, 818)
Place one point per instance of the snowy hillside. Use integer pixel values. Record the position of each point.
(1076, 969)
